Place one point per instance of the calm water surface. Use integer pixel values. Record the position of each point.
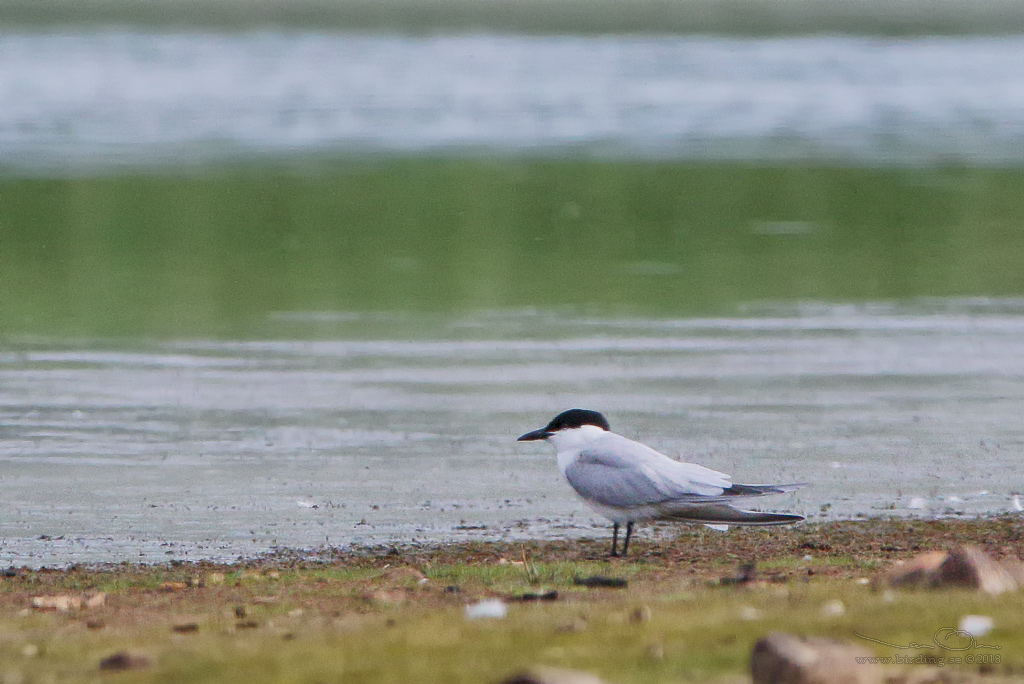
(219, 449)
(119, 96)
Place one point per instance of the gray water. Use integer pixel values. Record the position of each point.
(219, 449)
(95, 97)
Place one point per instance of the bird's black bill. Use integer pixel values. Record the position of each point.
(535, 435)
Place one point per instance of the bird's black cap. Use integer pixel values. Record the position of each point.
(573, 418)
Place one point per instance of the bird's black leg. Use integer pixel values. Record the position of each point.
(629, 532)
(615, 538)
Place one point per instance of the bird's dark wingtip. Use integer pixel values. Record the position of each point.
(762, 490)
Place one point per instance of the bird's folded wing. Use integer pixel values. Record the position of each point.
(621, 477)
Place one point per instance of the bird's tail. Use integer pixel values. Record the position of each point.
(720, 514)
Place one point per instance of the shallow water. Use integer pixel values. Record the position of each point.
(87, 98)
(219, 449)
(283, 284)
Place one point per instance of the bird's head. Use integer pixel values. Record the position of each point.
(570, 427)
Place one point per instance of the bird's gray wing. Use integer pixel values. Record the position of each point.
(625, 474)
(616, 471)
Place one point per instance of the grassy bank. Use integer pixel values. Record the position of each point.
(398, 615)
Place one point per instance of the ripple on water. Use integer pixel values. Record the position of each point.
(202, 449)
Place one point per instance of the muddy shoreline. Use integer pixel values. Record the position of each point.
(677, 609)
(852, 544)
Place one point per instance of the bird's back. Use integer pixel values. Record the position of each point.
(616, 471)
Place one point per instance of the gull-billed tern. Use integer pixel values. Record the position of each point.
(629, 482)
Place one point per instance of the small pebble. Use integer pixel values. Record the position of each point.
(577, 625)
(641, 614)
(173, 586)
(976, 625)
(533, 596)
(124, 661)
(656, 652)
(62, 603)
(494, 609)
(600, 581)
(833, 608)
(749, 613)
(545, 674)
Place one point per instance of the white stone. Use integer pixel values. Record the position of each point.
(976, 625)
(494, 609)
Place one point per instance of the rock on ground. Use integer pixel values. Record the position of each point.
(962, 566)
(789, 659)
(551, 675)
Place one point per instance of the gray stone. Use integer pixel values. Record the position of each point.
(962, 566)
(969, 566)
(789, 659)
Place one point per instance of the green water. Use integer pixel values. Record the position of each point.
(325, 352)
(221, 252)
(736, 17)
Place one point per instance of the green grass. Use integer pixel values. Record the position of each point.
(697, 634)
(364, 616)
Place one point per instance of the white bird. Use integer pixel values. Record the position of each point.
(628, 482)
